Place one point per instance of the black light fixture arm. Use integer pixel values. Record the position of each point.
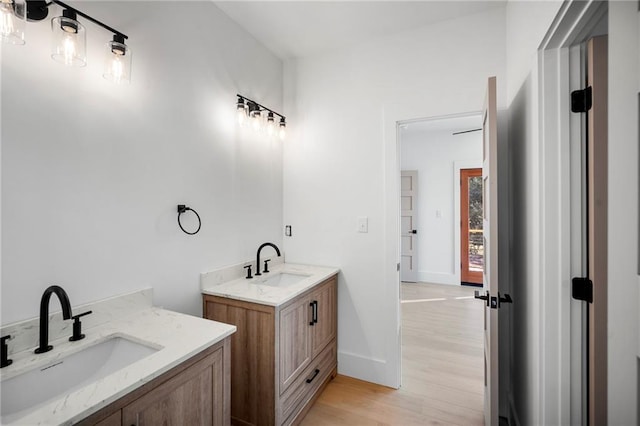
(36, 11)
(262, 107)
(95, 21)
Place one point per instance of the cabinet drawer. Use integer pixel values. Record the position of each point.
(299, 392)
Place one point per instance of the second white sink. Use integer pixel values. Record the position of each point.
(62, 376)
(283, 279)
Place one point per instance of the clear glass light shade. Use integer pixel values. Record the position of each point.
(117, 66)
(256, 121)
(241, 114)
(12, 21)
(283, 130)
(68, 42)
(271, 125)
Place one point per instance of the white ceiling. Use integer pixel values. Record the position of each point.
(293, 29)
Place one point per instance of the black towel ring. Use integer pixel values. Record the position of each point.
(181, 209)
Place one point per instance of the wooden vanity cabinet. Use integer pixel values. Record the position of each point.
(195, 392)
(281, 357)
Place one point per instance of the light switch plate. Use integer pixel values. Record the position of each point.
(363, 224)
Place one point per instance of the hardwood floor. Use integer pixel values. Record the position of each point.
(442, 368)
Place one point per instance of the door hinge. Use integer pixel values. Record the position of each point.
(581, 100)
(582, 289)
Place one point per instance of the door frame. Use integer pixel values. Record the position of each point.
(554, 364)
(396, 116)
(561, 317)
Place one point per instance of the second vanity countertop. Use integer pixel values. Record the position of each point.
(252, 290)
(177, 336)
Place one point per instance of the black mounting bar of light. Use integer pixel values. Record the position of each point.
(37, 10)
(260, 106)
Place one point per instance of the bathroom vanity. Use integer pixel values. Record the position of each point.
(137, 364)
(284, 350)
(196, 391)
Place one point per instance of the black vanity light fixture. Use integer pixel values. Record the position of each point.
(260, 117)
(68, 42)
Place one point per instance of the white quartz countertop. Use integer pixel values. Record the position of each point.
(177, 336)
(254, 290)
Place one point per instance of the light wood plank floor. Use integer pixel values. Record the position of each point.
(442, 368)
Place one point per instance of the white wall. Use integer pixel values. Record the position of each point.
(341, 162)
(623, 213)
(434, 154)
(92, 172)
(528, 21)
(524, 35)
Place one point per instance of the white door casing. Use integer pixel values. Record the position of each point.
(408, 231)
(562, 325)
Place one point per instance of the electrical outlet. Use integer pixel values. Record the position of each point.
(363, 224)
(287, 230)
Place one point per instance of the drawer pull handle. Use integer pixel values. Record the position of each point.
(314, 312)
(315, 373)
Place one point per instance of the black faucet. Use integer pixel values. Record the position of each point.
(44, 315)
(258, 255)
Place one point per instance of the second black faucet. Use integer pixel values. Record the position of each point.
(258, 256)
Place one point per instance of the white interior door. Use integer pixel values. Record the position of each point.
(490, 234)
(408, 231)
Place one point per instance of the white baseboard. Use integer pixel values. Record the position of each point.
(438, 278)
(363, 368)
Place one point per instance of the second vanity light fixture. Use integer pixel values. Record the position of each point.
(259, 117)
(68, 42)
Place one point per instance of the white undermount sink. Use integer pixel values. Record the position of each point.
(64, 375)
(283, 279)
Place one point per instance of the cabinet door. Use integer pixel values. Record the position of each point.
(113, 420)
(324, 327)
(187, 399)
(253, 363)
(295, 347)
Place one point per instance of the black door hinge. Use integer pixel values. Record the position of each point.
(581, 100)
(582, 289)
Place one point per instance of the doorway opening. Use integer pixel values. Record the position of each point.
(441, 322)
(434, 154)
